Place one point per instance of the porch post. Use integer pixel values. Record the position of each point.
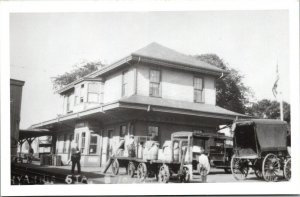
(21, 144)
(30, 140)
(53, 144)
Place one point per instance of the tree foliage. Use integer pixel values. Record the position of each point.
(79, 70)
(269, 109)
(232, 93)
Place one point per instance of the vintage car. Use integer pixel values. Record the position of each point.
(262, 145)
(217, 147)
(220, 154)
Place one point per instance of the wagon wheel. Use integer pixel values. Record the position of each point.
(239, 168)
(287, 170)
(270, 167)
(257, 169)
(142, 171)
(164, 174)
(130, 169)
(115, 167)
(185, 177)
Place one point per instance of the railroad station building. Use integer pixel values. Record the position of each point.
(153, 91)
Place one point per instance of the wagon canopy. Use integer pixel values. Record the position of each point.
(271, 134)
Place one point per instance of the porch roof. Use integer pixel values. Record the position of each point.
(149, 104)
(181, 105)
(29, 133)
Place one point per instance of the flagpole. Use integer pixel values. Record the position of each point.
(274, 89)
(281, 106)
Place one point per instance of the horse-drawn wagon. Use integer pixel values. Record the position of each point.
(261, 144)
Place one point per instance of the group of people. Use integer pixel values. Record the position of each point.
(203, 162)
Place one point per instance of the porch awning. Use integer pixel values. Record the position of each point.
(29, 133)
(144, 103)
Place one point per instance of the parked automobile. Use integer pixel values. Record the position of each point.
(220, 154)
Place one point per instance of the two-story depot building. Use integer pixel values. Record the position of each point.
(152, 92)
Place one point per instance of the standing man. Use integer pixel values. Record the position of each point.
(75, 158)
(203, 165)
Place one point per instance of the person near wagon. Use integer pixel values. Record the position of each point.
(203, 166)
(75, 159)
(30, 155)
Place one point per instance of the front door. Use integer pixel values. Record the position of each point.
(71, 138)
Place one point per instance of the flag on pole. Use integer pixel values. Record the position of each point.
(274, 89)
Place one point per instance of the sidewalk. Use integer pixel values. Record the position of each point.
(61, 173)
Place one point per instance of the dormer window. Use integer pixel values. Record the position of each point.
(93, 92)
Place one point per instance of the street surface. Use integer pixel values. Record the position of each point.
(95, 175)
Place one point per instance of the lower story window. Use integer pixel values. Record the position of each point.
(153, 131)
(82, 142)
(93, 144)
(76, 138)
(123, 130)
(65, 144)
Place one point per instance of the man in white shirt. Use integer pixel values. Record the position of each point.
(203, 165)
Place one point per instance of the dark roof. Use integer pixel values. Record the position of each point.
(16, 82)
(162, 53)
(207, 108)
(28, 133)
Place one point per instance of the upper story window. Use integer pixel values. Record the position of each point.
(81, 93)
(94, 92)
(155, 83)
(68, 103)
(124, 83)
(198, 90)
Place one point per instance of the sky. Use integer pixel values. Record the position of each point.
(44, 45)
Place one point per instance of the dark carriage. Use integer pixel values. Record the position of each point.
(260, 144)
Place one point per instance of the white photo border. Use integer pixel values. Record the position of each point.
(291, 187)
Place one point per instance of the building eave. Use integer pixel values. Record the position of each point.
(180, 66)
(102, 109)
(181, 111)
(94, 74)
(138, 58)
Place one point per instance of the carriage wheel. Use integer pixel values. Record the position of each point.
(239, 168)
(164, 174)
(130, 169)
(115, 167)
(287, 170)
(270, 167)
(185, 177)
(257, 169)
(142, 171)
